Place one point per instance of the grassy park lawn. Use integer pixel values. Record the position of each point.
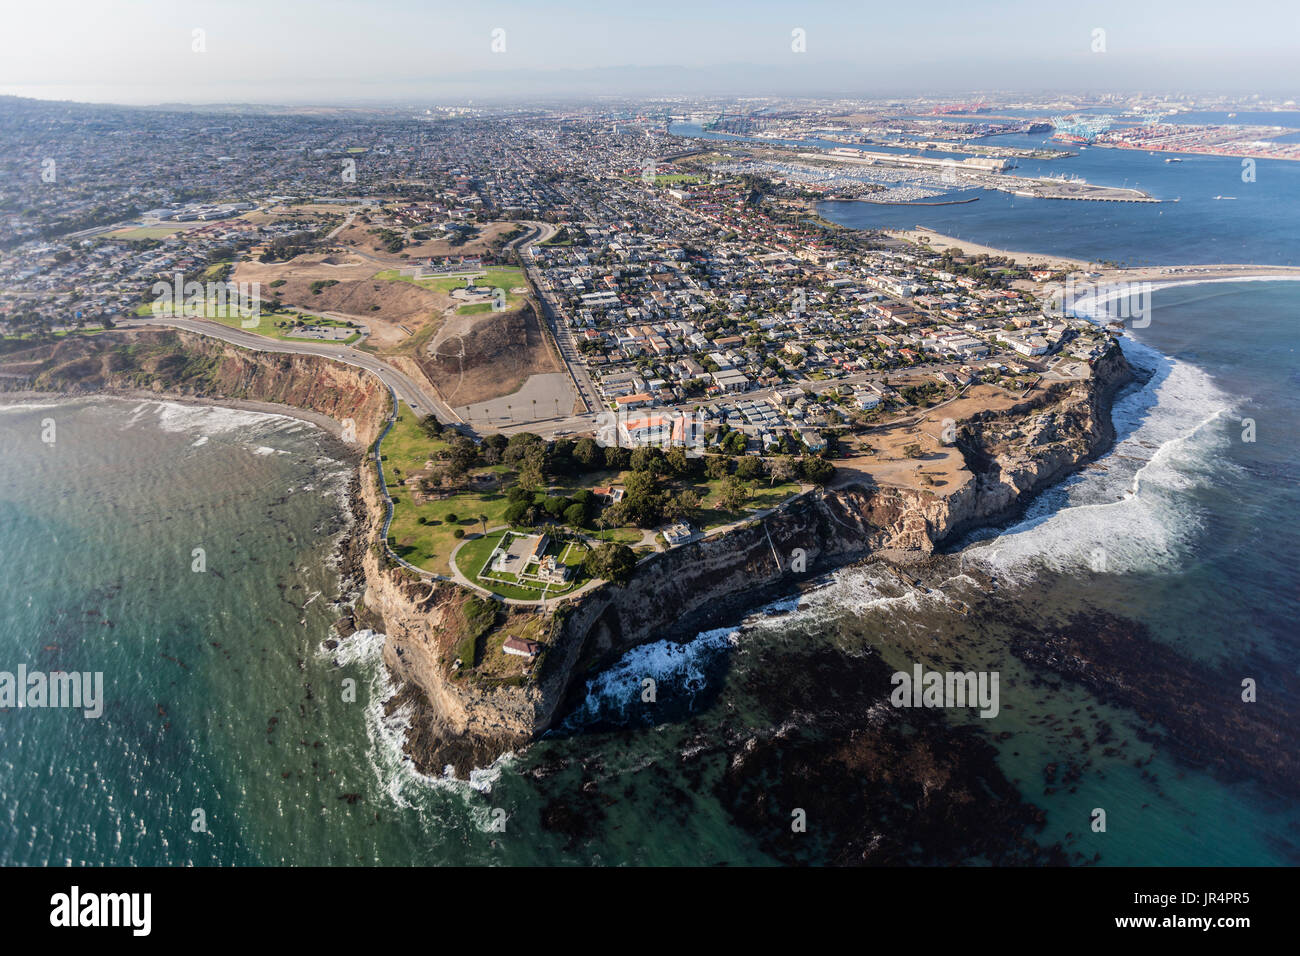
(428, 544)
(762, 497)
(505, 277)
(426, 533)
(627, 536)
(231, 317)
(406, 446)
(491, 277)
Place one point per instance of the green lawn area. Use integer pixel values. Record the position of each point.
(627, 536)
(422, 535)
(763, 496)
(407, 446)
(429, 545)
(231, 317)
(504, 277)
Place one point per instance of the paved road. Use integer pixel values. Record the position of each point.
(406, 388)
(551, 312)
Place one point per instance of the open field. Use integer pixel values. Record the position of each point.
(346, 285)
(273, 325)
(428, 543)
(476, 358)
(491, 277)
(160, 231)
(938, 466)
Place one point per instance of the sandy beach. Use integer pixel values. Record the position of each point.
(939, 243)
(1166, 275)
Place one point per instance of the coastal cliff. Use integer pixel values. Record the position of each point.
(168, 364)
(1004, 458)
(1009, 457)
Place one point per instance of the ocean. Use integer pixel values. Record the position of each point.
(1122, 612)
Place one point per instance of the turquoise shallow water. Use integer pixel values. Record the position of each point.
(221, 699)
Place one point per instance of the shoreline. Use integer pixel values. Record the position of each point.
(346, 552)
(321, 421)
(924, 236)
(725, 578)
(1167, 274)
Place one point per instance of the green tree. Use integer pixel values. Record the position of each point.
(817, 470)
(611, 561)
(587, 453)
(715, 467)
(734, 493)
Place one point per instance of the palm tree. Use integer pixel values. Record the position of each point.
(482, 519)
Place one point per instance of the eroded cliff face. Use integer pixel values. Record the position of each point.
(173, 364)
(463, 722)
(453, 720)
(1010, 456)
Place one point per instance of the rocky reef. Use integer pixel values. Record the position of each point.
(465, 721)
(1010, 456)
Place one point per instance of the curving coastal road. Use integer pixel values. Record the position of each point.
(403, 386)
(415, 395)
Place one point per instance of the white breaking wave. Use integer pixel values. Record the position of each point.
(1135, 512)
(396, 775)
(873, 589)
(209, 419)
(682, 667)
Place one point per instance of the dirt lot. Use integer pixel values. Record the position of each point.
(488, 355)
(466, 358)
(362, 237)
(940, 468)
(384, 306)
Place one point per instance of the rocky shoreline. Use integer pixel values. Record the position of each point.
(673, 595)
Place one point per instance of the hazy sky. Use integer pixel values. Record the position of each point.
(338, 51)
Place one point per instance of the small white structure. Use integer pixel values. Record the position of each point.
(681, 533)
